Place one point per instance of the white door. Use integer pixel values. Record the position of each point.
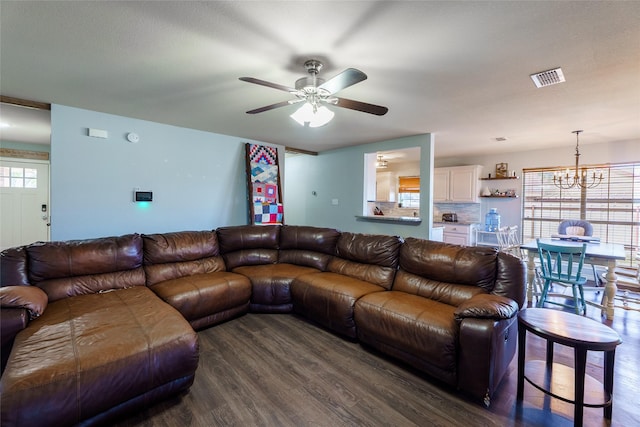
(24, 202)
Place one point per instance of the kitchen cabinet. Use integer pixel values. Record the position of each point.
(459, 234)
(437, 234)
(457, 184)
(386, 187)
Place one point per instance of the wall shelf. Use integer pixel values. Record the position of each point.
(499, 197)
(494, 179)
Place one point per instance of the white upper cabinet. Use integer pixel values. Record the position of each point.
(386, 187)
(457, 184)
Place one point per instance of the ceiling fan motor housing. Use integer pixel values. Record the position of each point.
(308, 82)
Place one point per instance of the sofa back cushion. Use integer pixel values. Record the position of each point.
(307, 246)
(249, 244)
(445, 292)
(173, 255)
(443, 265)
(76, 267)
(13, 267)
(368, 257)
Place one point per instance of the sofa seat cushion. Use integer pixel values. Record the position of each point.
(329, 298)
(420, 328)
(202, 295)
(271, 284)
(90, 353)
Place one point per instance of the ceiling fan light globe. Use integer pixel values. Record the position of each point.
(305, 116)
(322, 116)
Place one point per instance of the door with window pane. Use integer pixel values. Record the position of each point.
(24, 202)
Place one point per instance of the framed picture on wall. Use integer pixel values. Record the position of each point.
(502, 170)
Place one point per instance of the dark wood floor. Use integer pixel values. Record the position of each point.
(280, 370)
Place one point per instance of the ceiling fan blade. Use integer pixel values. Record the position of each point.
(347, 78)
(274, 106)
(378, 110)
(270, 107)
(268, 84)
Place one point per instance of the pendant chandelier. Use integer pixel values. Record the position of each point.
(381, 164)
(580, 178)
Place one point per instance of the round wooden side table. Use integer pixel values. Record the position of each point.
(580, 333)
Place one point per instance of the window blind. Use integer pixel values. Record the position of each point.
(409, 184)
(612, 207)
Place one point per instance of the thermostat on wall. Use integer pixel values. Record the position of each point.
(143, 196)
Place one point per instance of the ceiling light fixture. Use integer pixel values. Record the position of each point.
(580, 179)
(381, 164)
(312, 114)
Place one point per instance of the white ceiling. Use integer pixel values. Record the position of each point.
(457, 69)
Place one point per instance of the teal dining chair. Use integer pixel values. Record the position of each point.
(580, 227)
(562, 264)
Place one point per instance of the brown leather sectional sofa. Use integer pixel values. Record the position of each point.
(95, 328)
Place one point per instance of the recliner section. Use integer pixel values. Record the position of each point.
(186, 270)
(363, 264)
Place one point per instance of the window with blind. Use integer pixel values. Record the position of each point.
(409, 191)
(612, 207)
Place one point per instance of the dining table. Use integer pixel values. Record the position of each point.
(598, 253)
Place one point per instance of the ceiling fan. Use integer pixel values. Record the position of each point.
(315, 92)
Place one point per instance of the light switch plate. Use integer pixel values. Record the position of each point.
(98, 133)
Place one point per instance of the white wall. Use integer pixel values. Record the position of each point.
(339, 174)
(198, 178)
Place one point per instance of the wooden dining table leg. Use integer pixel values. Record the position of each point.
(610, 289)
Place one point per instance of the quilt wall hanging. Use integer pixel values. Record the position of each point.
(263, 182)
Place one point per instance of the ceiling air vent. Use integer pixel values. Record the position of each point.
(548, 78)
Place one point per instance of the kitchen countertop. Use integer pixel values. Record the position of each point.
(441, 223)
(408, 219)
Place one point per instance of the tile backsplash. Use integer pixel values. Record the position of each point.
(392, 209)
(467, 212)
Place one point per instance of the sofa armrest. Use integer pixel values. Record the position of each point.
(487, 306)
(31, 298)
(12, 321)
(487, 347)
